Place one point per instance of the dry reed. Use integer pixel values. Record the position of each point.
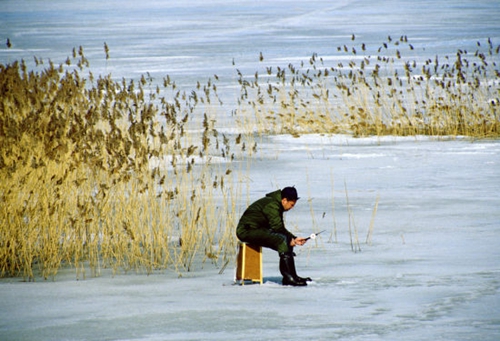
(379, 94)
(104, 174)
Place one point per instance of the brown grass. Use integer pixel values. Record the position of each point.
(103, 174)
(381, 94)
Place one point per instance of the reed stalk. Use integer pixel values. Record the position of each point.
(369, 235)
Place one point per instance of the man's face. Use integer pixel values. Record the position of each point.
(288, 204)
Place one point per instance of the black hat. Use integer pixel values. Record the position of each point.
(289, 193)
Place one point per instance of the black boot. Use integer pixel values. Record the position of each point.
(287, 269)
(294, 274)
(294, 271)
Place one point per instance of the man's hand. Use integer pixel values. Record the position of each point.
(298, 241)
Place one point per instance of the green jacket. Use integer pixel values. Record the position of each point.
(265, 213)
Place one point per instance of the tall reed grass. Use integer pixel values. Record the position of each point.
(100, 174)
(377, 92)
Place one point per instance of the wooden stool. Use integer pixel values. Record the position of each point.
(249, 263)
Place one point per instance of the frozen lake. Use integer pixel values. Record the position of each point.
(432, 270)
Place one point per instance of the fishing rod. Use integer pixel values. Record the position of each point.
(313, 235)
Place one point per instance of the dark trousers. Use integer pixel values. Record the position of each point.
(266, 238)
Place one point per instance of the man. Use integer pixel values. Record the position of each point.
(262, 224)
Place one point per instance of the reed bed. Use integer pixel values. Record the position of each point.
(377, 92)
(104, 174)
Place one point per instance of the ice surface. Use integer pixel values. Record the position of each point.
(431, 271)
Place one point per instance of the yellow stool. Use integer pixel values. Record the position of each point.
(249, 263)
